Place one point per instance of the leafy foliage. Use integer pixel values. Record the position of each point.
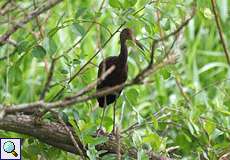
(182, 111)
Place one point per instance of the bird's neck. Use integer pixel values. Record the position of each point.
(123, 53)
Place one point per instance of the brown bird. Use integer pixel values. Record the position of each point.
(118, 75)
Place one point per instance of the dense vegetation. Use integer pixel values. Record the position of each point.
(179, 110)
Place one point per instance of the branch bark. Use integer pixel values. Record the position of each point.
(56, 135)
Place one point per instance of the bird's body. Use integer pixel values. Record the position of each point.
(119, 74)
(117, 77)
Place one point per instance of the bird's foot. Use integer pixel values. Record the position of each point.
(112, 135)
(100, 132)
(37, 118)
(37, 121)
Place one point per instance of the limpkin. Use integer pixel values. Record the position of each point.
(118, 75)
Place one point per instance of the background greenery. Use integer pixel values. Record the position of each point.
(195, 121)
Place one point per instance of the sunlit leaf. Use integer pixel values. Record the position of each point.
(209, 127)
(132, 95)
(129, 3)
(115, 3)
(208, 13)
(38, 52)
(154, 139)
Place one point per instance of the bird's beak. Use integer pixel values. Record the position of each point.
(139, 44)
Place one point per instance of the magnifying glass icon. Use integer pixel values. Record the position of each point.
(9, 147)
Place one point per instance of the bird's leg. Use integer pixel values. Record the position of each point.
(100, 129)
(114, 117)
(102, 117)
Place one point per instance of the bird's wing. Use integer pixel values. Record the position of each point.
(107, 63)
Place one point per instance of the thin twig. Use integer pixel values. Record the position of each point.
(210, 85)
(100, 49)
(5, 4)
(98, 81)
(81, 152)
(140, 77)
(37, 20)
(79, 71)
(80, 40)
(87, 31)
(6, 8)
(184, 23)
(33, 14)
(69, 101)
(179, 85)
(160, 29)
(49, 78)
(84, 90)
(217, 19)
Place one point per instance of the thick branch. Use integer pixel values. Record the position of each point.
(56, 135)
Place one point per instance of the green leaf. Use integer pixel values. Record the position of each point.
(154, 139)
(76, 61)
(50, 45)
(136, 137)
(165, 73)
(38, 52)
(226, 113)
(15, 74)
(22, 46)
(92, 152)
(64, 116)
(80, 11)
(209, 127)
(132, 95)
(167, 25)
(95, 140)
(64, 71)
(115, 3)
(54, 30)
(76, 115)
(129, 3)
(79, 28)
(155, 122)
(208, 13)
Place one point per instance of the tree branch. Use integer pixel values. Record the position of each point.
(220, 31)
(49, 78)
(56, 135)
(69, 101)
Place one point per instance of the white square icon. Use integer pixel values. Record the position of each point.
(10, 148)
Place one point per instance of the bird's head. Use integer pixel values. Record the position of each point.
(127, 34)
